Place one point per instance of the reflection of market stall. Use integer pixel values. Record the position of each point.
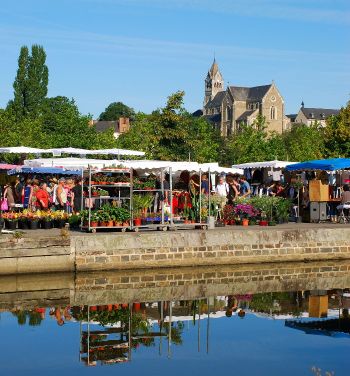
(325, 181)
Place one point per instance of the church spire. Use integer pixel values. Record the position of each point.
(214, 68)
(214, 82)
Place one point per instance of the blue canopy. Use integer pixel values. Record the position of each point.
(43, 170)
(322, 164)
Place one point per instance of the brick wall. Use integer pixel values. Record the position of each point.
(218, 247)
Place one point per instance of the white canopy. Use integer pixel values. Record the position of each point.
(272, 164)
(71, 163)
(69, 150)
(21, 150)
(96, 152)
(146, 165)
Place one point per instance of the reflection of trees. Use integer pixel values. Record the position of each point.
(176, 331)
(34, 318)
(277, 302)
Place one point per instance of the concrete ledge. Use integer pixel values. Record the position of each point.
(222, 246)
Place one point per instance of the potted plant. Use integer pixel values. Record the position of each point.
(11, 220)
(23, 221)
(46, 220)
(33, 221)
(228, 214)
(94, 219)
(103, 218)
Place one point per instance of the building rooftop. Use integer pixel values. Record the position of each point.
(318, 113)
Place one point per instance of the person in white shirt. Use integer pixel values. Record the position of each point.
(222, 188)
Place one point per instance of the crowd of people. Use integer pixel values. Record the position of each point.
(44, 194)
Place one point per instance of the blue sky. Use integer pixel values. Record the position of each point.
(141, 51)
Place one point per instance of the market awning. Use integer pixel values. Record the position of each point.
(6, 166)
(21, 150)
(43, 170)
(322, 165)
(271, 164)
(70, 163)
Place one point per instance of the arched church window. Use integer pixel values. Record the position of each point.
(273, 113)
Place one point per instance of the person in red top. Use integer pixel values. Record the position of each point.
(42, 196)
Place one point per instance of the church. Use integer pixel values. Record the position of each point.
(227, 109)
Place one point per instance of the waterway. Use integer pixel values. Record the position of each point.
(115, 323)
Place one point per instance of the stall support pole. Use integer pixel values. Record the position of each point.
(209, 179)
(200, 196)
(171, 195)
(90, 201)
(163, 194)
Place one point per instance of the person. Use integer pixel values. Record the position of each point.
(244, 187)
(53, 190)
(27, 193)
(77, 196)
(68, 188)
(233, 187)
(205, 185)
(276, 189)
(33, 202)
(18, 189)
(231, 305)
(42, 196)
(222, 189)
(61, 195)
(345, 196)
(9, 196)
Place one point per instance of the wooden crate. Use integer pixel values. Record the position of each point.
(318, 191)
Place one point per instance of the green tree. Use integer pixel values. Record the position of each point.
(171, 133)
(38, 79)
(19, 104)
(65, 126)
(304, 142)
(337, 134)
(30, 85)
(116, 110)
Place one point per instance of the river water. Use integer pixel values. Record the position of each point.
(244, 320)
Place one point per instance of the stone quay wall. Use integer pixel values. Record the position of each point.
(120, 251)
(128, 286)
(215, 247)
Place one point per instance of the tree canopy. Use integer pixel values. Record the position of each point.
(171, 133)
(116, 110)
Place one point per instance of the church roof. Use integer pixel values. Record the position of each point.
(214, 68)
(318, 113)
(217, 100)
(240, 93)
(213, 118)
(245, 115)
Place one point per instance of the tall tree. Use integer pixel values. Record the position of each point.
(30, 86)
(19, 104)
(117, 110)
(38, 79)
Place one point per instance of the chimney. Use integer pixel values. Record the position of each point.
(124, 124)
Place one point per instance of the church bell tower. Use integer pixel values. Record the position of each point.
(214, 83)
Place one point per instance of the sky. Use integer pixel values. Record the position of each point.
(141, 51)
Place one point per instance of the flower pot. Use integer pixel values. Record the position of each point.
(263, 223)
(60, 223)
(11, 225)
(110, 224)
(232, 222)
(102, 224)
(33, 224)
(117, 223)
(125, 224)
(137, 222)
(46, 225)
(93, 223)
(23, 224)
(245, 222)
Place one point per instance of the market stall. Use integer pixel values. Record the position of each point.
(325, 180)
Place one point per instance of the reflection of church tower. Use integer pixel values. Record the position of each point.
(214, 83)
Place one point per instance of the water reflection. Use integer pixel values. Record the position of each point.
(227, 313)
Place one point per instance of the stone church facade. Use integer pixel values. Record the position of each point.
(227, 109)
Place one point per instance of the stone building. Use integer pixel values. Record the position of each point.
(309, 116)
(229, 108)
(119, 126)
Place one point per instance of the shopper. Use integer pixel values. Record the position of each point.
(18, 189)
(244, 187)
(76, 193)
(205, 185)
(222, 189)
(42, 196)
(61, 195)
(27, 193)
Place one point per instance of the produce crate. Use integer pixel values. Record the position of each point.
(318, 191)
